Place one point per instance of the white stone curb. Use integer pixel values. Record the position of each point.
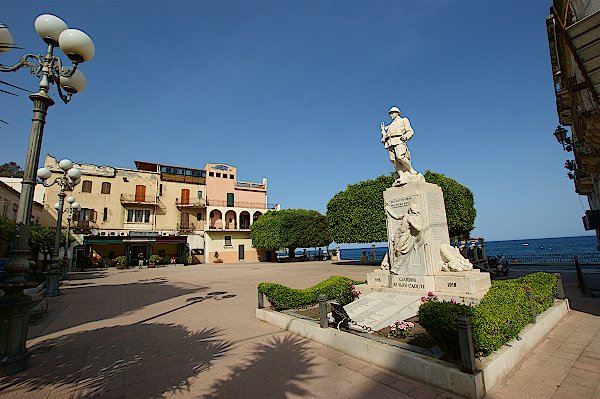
(34, 290)
(434, 372)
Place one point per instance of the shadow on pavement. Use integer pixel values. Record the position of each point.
(89, 303)
(141, 360)
(276, 369)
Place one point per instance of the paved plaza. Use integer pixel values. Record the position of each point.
(190, 332)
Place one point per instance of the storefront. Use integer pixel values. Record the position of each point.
(102, 250)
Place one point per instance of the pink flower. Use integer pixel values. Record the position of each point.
(410, 325)
(452, 300)
(430, 293)
(423, 299)
(402, 327)
(393, 326)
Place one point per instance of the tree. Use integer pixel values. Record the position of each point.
(7, 230)
(291, 229)
(41, 240)
(11, 169)
(356, 215)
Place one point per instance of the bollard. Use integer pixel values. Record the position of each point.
(323, 311)
(261, 300)
(465, 339)
(528, 294)
(560, 290)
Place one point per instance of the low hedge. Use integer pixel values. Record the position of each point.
(288, 298)
(498, 318)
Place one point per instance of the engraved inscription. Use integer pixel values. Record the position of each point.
(451, 285)
(400, 202)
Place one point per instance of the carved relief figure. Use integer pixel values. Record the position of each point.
(453, 260)
(394, 136)
(406, 242)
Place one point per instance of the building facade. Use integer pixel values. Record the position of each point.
(167, 210)
(9, 205)
(573, 29)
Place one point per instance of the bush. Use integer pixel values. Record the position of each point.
(35, 278)
(287, 298)
(499, 317)
(155, 259)
(121, 259)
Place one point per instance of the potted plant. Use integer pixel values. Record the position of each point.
(121, 262)
(154, 260)
(217, 260)
(190, 259)
(334, 254)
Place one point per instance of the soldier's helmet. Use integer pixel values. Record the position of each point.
(394, 109)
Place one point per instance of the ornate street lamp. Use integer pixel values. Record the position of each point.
(73, 207)
(14, 305)
(69, 179)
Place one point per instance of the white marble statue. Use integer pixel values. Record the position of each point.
(453, 260)
(406, 242)
(394, 136)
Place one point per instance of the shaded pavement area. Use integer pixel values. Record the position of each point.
(190, 332)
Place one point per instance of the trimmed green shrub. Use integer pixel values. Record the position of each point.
(287, 298)
(498, 318)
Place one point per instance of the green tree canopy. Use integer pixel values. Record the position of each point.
(11, 169)
(290, 228)
(41, 240)
(356, 215)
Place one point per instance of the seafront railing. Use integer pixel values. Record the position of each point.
(554, 258)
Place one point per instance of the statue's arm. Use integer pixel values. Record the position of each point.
(409, 132)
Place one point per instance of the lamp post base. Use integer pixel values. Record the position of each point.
(52, 283)
(65, 269)
(14, 318)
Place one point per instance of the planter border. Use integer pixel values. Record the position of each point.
(438, 373)
(35, 289)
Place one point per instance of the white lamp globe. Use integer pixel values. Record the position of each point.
(76, 181)
(76, 206)
(49, 27)
(77, 45)
(75, 83)
(65, 164)
(44, 173)
(74, 173)
(6, 39)
(57, 206)
(70, 200)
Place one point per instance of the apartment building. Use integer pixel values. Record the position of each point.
(9, 205)
(161, 209)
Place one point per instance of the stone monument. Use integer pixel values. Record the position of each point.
(420, 257)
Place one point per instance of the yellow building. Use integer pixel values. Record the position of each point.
(160, 209)
(9, 205)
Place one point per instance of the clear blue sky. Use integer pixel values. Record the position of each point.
(295, 91)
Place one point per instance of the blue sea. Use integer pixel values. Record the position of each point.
(549, 247)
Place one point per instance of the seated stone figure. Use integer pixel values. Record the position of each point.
(453, 260)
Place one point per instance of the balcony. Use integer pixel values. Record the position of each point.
(240, 204)
(135, 199)
(83, 225)
(186, 227)
(190, 202)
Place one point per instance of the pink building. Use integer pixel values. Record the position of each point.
(232, 206)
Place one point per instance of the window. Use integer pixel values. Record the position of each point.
(105, 215)
(138, 216)
(86, 186)
(105, 188)
(86, 214)
(160, 190)
(218, 174)
(199, 216)
(228, 241)
(5, 209)
(211, 174)
(199, 194)
(231, 176)
(230, 199)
